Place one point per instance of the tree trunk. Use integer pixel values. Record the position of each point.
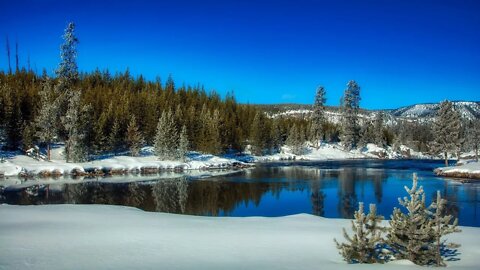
(446, 159)
(48, 151)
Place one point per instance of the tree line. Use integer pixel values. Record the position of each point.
(96, 113)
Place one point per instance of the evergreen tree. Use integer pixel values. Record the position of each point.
(366, 243)
(446, 129)
(295, 140)
(67, 71)
(442, 225)
(75, 124)
(350, 105)
(276, 136)
(114, 139)
(411, 234)
(379, 139)
(473, 136)
(46, 119)
(13, 119)
(135, 139)
(259, 135)
(183, 144)
(166, 139)
(367, 134)
(317, 131)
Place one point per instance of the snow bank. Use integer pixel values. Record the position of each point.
(113, 237)
(469, 170)
(22, 164)
(329, 151)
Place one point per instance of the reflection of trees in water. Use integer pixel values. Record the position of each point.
(170, 195)
(136, 195)
(74, 194)
(451, 195)
(347, 202)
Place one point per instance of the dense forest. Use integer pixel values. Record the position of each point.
(98, 112)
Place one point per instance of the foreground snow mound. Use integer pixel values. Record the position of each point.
(113, 237)
(467, 169)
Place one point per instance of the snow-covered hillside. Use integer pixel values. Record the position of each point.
(114, 237)
(422, 112)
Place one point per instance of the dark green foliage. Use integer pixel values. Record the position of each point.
(135, 139)
(446, 129)
(350, 104)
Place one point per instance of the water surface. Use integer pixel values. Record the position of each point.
(329, 188)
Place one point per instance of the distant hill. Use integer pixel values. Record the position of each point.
(423, 112)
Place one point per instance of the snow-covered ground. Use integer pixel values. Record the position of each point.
(113, 237)
(337, 152)
(27, 165)
(467, 169)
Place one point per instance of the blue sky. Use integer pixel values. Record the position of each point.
(400, 52)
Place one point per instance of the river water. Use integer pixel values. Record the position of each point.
(328, 188)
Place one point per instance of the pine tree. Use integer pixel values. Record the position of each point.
(366, 243)
(47, 116)
(473, 136)
(317, 131)
(183, 144)
(13, 119)
(446, 129)
(442, 225)
(258, 135)
(67, 71)
(276, 136)
(75, 147)
(411, 234)
(367, 134)
(114, 139)
(166, 138)
(350, 105)
(295, 140)
(379, 137)
(135, 139)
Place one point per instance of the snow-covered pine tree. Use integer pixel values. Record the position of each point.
(378, 130)
(367, 134)
(317, 131)
(166, 138)
(473, 136)
(183, 144)
(47, 116)
(67, 71)
(75, 146)
(67, 74)
(411, 235)
(446, 129)
(350, 104)
(366, 243)
(114, 141)
(135, 138)
(295, 140)
(442, 225)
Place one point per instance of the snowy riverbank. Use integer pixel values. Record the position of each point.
(470, 170)
(19, 164)
(112, 237)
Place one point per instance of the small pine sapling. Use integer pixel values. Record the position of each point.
(366, 243)
(411, 235)
(442, 225)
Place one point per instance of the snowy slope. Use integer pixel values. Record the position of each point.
(466, 170)
(112, 237)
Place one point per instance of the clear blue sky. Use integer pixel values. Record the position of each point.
(400, 51)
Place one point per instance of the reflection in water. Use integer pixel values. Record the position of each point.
(325, 189)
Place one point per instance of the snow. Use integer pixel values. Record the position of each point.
(466, 169)
(30, 166)
(336, 151)
(114, 237)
